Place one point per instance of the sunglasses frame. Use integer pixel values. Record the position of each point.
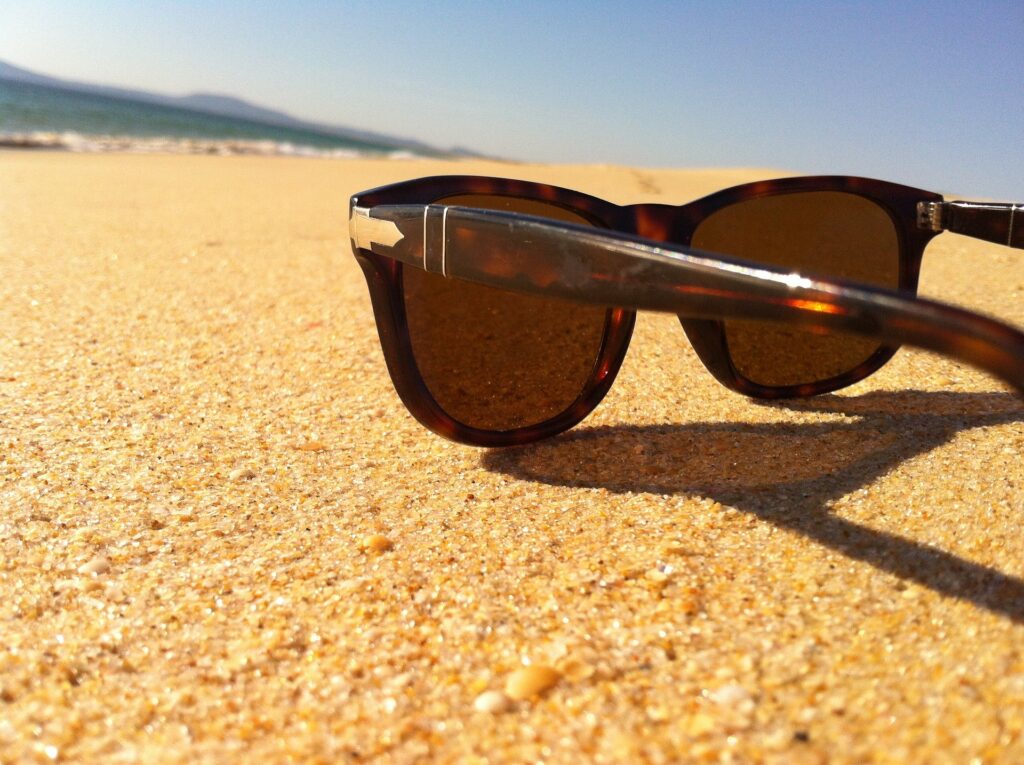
(657, 222)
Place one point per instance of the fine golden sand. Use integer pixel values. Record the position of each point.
(222, 539)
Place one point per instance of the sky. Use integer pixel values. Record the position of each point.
(925, 93)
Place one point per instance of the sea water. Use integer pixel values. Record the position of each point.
(33, 116)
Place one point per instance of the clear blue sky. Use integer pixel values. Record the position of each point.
(927, 93)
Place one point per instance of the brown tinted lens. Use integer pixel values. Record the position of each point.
(824, 233)
(497, 360)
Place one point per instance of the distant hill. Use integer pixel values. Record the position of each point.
(226, 106)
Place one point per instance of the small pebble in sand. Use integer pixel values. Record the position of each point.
(242, 474)
(730, 695)
(531, 681)
(97, 565)
(494, 702)
(375, 543)
(656, 576)
(733, 697)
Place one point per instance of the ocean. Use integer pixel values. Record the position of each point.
(32, 116)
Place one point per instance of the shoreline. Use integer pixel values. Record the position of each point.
(75, 142)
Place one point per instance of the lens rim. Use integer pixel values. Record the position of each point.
(384, 278)
(873, 361)
(899, 202)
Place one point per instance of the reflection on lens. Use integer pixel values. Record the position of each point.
(823, 233)
(498, 360)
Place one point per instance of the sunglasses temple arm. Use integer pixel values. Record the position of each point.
(999, 222)
(554, 259)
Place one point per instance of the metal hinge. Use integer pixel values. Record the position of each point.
(365, 230)
(929, 215)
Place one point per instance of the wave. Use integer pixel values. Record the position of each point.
(77, 142)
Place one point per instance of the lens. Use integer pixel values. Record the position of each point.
(823, 233)
(497, 360)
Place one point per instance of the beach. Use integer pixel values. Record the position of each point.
(224, 539)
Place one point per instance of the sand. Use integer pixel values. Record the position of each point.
(224, 540)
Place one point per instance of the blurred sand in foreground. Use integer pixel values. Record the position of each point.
(222, 539)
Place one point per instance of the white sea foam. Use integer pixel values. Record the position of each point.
(77, 142)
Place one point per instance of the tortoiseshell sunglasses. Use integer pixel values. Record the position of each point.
(504, 307)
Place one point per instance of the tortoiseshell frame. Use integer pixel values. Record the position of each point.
(670, 225)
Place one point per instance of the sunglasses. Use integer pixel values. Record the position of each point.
(505, 308)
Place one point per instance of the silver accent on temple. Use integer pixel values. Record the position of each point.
(367, 231)
(426, 212)
(1009, 233)
(434, 244)
(444, 242)
(929, 215)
